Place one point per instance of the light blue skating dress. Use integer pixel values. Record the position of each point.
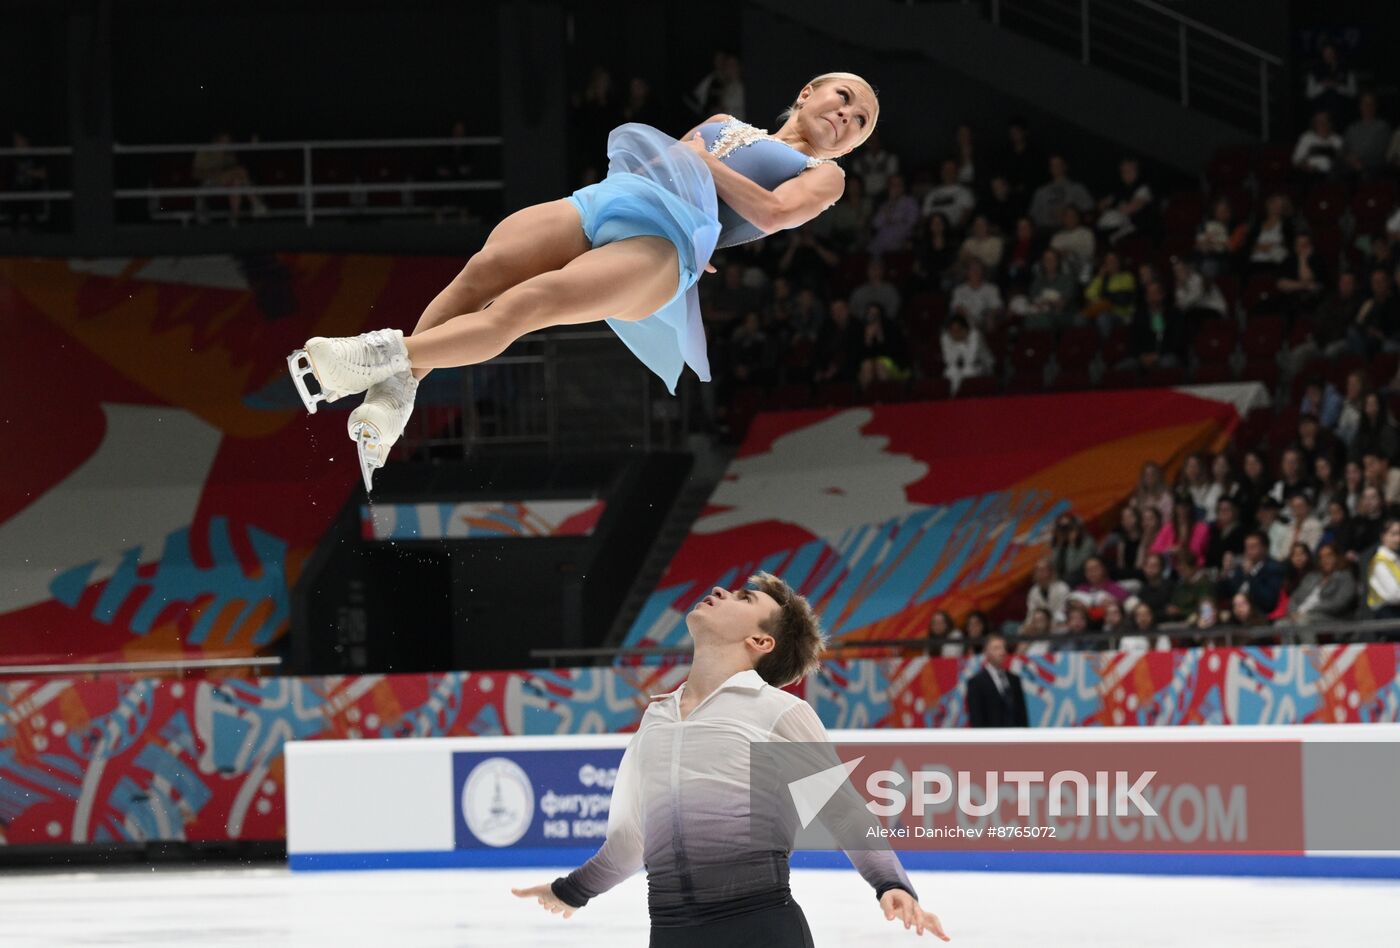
(656, 186)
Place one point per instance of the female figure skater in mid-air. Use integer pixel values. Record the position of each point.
(628, 250)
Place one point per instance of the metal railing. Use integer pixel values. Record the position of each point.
(178, 665)
(1157, 47)
(13, 200)
(352, 171)
(1225, 635)
(544, 392)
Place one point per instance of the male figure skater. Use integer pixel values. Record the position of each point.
(681, 801)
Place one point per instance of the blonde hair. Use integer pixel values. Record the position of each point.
(826, 77)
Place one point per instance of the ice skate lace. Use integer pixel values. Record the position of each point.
(379, 347)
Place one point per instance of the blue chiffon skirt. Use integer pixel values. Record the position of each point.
(657, 187)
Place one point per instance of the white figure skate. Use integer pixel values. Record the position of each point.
(380, 421)
(347, 364)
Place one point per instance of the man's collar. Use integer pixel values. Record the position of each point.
(749, 680)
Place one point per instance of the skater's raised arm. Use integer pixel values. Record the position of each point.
(621, 852)
(790, 204)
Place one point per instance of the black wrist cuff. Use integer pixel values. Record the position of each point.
(881, 889)
(568, 893)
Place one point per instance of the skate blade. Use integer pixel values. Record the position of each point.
(368, 446)
(299, 365)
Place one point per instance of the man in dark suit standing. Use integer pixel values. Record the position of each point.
(994, 695)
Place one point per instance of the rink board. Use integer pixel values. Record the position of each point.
(494, 802)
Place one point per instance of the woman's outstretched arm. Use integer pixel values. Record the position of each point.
(790, 204)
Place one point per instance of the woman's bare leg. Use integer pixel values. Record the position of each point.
(531, 241)
(628, 279)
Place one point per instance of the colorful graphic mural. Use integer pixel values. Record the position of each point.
(170, 485)
(483, 520)
(201, 760)
(882, 516)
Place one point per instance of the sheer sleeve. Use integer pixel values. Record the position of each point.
(621, 852)
(846, 816)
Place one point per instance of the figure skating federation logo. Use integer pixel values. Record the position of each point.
(498, 802)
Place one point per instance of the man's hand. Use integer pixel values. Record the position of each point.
(898, 904)
(545, 896)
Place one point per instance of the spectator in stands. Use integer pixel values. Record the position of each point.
(1296, 565)
(1315, 442)
(1037, 625)
(975, 299)
(1328, 486)
(994, 695)
(806, 259)
(1268, 520)
(965, 152)
(1293, 476)
(1193, 584)
(1153, 491)
(1336, 529)
(1128, 208)
(1000, 206)
(1143, 631)
(941, 625)
(1246, 612)
(874, 166)
(1353, 481)
(1331, 85)
(1070, 547)
(1327, 593)
(1020, 256)
(1319, 149)
(884, 354)
(1226, 533)
(935, 255)
(838, 345)
(892, 227)
(1255, 574)
(1304, 278)
(1365, 530)
(1268, 243)
(1119, 550)
(808, 316)
(1383, 574)
(750, 353)
(721, 91)
(595, 113)
(983, 244)
(1219, 239)
(1050, 301)
(1196, 297)
(1051, 198)
(953, 199)
(1376, 435)
(1021, 164)
(1076, 624)
(1097, 589)
(1074, 241)
(976, 628)
(1254, 484)
(639, 105)
(1157, 586)
(1152, 526)
(1115, 620)
(846, 226)
(732, 298)
(1304, 528)
(965, 352)
(1366, 140)
(1111, 296)
(1183, 530)
(1196, 487)
(876, 289)
(1157, 337)
(1047, 591)
(1322, 401)
(217, 167)
(1222, 473)
(26, 174)
(1376, 472)
(1349, 418)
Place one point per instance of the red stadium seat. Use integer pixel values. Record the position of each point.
(977, 388)
(1029, 352)
(1262, 337)
(1230, 165)
(1078, 345)
(1264, 371)
(1213, 374)
(1115, 347)
(1127, 377)
(1372, 205)
(1075, 379)
(1184, 213)
(1259, 293)
(1325, 205)
(1214, 342)
(834, 395)
(1273, 167)
(793, 395)
(887, 393)
(930, 389)
(1162, 376)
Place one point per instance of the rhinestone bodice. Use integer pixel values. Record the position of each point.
(759, 157)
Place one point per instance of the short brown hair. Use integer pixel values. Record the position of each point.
(796, 631)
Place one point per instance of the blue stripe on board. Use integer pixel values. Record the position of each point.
(1342, 867)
